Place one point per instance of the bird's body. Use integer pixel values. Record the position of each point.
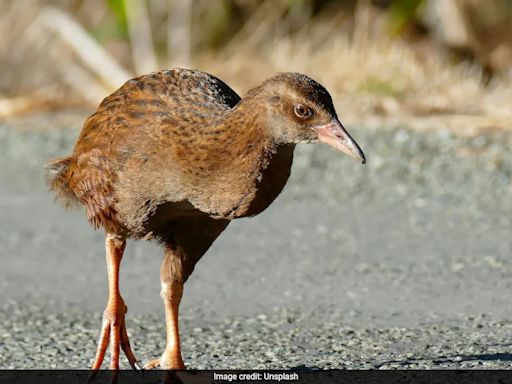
(176, 155)
(167, 132)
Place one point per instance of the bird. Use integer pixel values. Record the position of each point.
(174, 156)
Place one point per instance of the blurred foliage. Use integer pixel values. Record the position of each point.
(380, 87)
(393, 49)
(214, 23)
(119, 10)
(403, 12)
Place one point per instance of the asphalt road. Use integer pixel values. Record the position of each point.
(402, 263)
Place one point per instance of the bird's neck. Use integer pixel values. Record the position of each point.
(244, 131)
(247, 146)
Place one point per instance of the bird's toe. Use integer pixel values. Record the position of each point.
(113, 333)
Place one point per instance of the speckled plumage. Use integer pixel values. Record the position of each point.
(176, 155)
(169, 137)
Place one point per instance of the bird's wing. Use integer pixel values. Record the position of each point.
(129, 124)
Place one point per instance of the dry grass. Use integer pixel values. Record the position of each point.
(379, 81)
(375, 80)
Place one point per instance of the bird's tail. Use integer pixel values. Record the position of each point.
(57, 179)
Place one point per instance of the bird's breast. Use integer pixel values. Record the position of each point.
(266, 184)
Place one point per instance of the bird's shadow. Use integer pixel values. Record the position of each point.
(139, 377)
(452, 359)
(305, 368)
(179, 377)
(436, 360)
(484, 356)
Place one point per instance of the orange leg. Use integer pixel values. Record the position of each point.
(113, 327)
(171, 358)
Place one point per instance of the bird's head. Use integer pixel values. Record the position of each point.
(300, 110)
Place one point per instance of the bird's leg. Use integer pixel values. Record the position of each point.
(113, 328)
(171, 358)
(190, 239)
(171, 294)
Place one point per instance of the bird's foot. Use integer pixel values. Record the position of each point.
(113, 332)
(170, 360)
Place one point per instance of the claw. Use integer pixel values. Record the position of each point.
(152, 364)
(167, 362)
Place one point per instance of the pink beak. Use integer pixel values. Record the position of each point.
(336, 136)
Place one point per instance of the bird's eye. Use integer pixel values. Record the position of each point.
(302, 111)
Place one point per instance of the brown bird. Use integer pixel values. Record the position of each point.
(175, 156)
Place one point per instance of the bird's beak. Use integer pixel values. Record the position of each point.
(336, 136)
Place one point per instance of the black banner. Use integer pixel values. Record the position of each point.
(257, 376)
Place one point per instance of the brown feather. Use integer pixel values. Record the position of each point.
(56, 176)
(180, 143)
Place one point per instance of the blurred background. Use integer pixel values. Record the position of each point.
(402, 263)
(405, 58)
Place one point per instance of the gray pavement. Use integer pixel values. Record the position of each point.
(403, 263)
